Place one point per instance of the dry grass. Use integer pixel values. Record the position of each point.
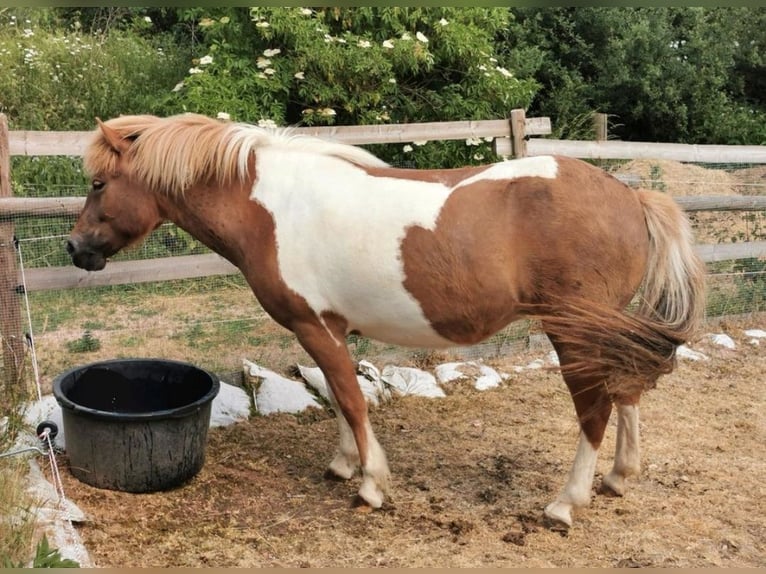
(17, 513)
(472, 473)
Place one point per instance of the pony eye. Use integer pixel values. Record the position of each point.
(97, 185)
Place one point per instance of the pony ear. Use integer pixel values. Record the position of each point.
(113, 138)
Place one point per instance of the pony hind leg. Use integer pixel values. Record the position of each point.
(358, 445)
(346, 461)
(627, 454)
(593, 407)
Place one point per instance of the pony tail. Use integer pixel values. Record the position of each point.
(629, 349)
(674, 285)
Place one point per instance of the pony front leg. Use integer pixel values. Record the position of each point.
(332, 357)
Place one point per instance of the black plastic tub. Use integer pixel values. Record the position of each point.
(136, 425)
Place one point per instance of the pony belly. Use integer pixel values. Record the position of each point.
(406, 332)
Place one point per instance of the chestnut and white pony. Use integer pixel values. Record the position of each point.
(333, 241)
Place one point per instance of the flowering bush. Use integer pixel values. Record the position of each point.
(328, 66)
(62, 80)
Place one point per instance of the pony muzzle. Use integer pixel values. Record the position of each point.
(84, 257)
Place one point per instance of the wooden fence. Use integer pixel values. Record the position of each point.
(511, 138)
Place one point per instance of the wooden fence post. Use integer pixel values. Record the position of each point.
(600, 127)
(11, 334)
(519, 132)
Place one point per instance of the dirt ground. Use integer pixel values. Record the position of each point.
(471, 475)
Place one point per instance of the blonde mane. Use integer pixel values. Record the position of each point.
(171, 154)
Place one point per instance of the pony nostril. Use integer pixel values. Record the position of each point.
(70, 247)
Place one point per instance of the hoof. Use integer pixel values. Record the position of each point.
(371, 493)
(558, 515)
(340, 469)
(612, 485)
(330, 474)
(361, 505)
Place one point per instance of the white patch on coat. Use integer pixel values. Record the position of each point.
(536, 166)
(339, 232)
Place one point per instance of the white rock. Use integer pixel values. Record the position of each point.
(372, 389)
(411, 381)
(54, 516)
(685, 352)
(489, 379)
(449, 372)
(276, 393)
(484, 377)
(756, 333)
(536, 364)
(722, 340)
(231, 404)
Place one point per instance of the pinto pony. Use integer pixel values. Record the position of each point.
(333, 241)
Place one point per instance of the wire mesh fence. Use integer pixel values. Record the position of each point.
(215, 322)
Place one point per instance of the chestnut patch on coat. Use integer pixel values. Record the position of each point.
(501, 244)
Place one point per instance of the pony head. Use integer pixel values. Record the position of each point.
(120, 208)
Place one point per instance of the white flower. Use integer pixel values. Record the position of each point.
(262, 62)
(306, 12)
(307, 112)
(205, 60)
(327, 112)
(340, 40)
(407, 148)
(178, 86)
(299, 76)
(406, 36)
(195, 70)
(489, 139)
(261, 75)
(473, 141)
(482, 67)
(392, 80)
(443, 22)
(388, 44)
(420, 142)
(223, 116)
(269, 71)
(504, 72)
(271, 53)
(478, 157)
(147, 19)
(421, 37)
(364, 43)
(262, 24)
(266, 123)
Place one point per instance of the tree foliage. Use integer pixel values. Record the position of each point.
(666, 74)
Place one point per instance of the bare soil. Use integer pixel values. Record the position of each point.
(471, 475)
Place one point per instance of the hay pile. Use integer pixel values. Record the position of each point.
(680, 179)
